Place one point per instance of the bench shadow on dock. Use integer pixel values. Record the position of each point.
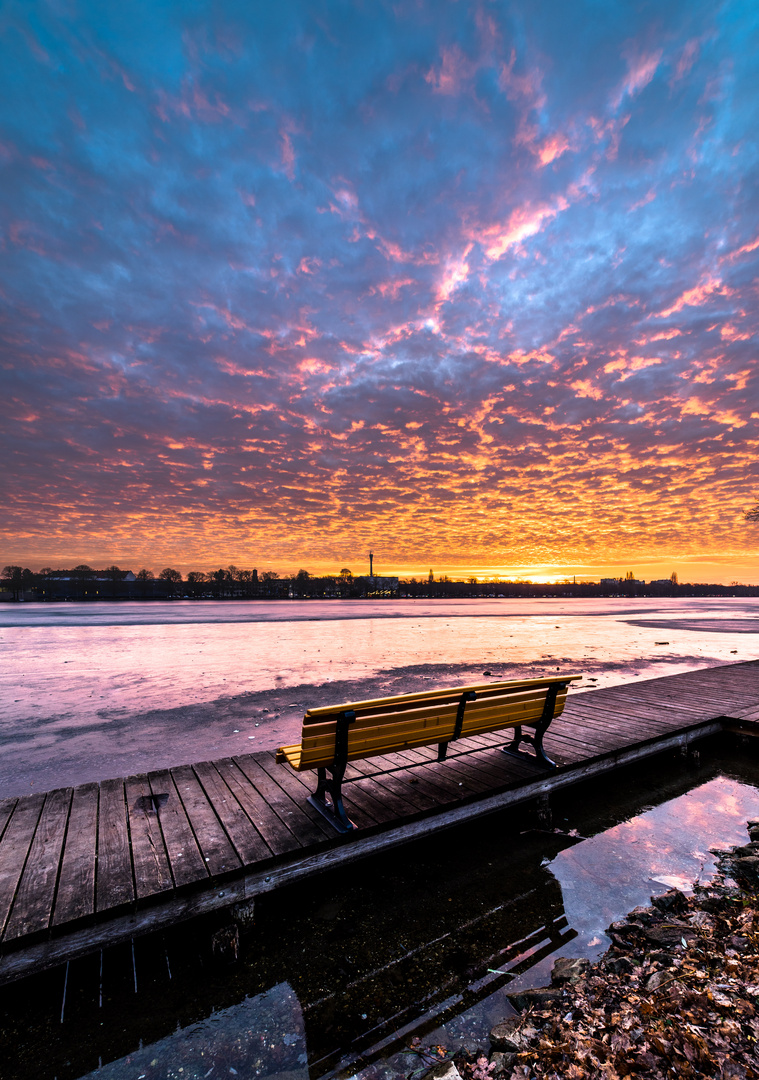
(88, 867)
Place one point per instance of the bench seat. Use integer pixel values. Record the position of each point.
(334, 735)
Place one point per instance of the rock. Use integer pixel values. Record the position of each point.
(570, 970)
(672, 900)
(534, 998)
(753, 830)
(620, 965)
(653, 982)
(446, 1070)
(504, 1063)
(745, 869)
(669, 934)
(621, 928)
(747, 849)
(641, 914)
(512, 1035)
(715, 904)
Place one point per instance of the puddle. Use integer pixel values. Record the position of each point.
(338, 975)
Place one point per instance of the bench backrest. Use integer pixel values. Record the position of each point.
(409, 720)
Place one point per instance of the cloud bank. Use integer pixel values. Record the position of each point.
(468, 284)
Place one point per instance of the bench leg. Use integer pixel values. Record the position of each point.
(333, 810)
(536, 740)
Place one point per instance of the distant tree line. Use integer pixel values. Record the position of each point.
(231, 583)
(84, 582)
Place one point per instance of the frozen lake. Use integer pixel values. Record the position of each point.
(100, 689)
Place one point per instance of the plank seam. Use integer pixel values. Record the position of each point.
(189, 820)
(163, 838)
(247, 817)
(60, 861)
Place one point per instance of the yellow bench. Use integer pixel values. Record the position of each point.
(336, 734)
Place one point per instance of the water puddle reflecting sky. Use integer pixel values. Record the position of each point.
(338, 974)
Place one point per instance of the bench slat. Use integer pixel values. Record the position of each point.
(408, 712)
(437, 728)
(451, 692)
(376, 741)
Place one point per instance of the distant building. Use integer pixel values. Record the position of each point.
(368, 586)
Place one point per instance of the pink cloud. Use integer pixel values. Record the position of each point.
(640, 71)
(455, 70)
(686, 60)
(391, 288)
(729, 333)
(647, 198)
(395, 253)
(288, 155)
(524, 221)
(585, 388)
(553, 147)
(456, 272)
(697, 296)
(745, 250)
(629, 365)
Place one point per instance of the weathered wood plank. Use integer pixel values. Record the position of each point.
(114, 884)
(274, 831)
(75, 898)
(14, 848)
(248, 842)
(33, 906)
(215, 846)
(300, 786)
(186, 862)
(6, 809)
(152, 875)
(285, 796)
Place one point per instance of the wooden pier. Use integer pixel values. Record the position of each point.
(84, 868)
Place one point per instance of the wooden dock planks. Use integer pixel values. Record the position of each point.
(152, 875)
(33, 903)
(76, 886)
(76, 858)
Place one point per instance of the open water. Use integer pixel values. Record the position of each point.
(104, 689)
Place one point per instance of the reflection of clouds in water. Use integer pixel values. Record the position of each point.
(267, 1028)
(606, 876)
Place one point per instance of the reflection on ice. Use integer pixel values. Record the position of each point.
(608, 875)
(97, 690)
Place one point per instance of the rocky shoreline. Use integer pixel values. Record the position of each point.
(676, 994)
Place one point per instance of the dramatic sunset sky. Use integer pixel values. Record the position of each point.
(473, 285)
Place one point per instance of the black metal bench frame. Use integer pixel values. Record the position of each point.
(332, 784)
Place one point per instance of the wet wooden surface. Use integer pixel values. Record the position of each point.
(73, 857)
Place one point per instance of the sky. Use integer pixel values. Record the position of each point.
(470, 285)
